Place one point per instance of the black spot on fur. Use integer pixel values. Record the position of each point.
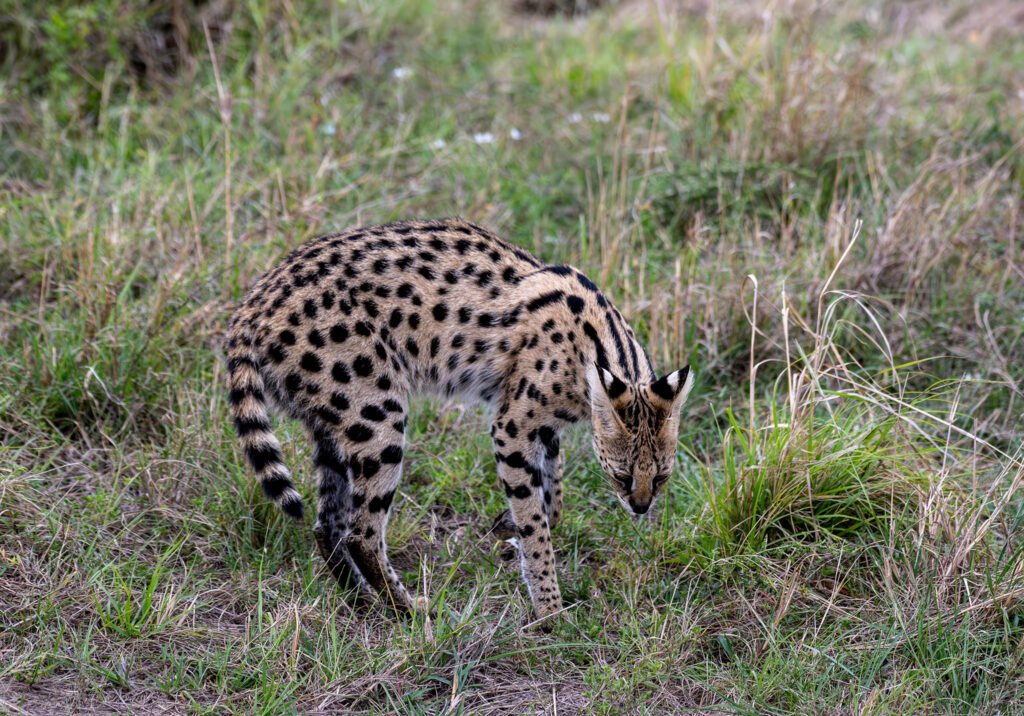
(363, 366)
(587, 283)
(381, 503)
(340, 373)
(310, 362)
(276, 353)
(339, 333)
(543, 300)
(370, 467)
(358, 433)
(515, 459)
(372, 412)
(392, 455)
(339, 401)
(328, 415)
(549, 438)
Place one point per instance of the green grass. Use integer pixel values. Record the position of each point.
(818, 207)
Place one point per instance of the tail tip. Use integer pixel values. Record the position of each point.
(292, 505)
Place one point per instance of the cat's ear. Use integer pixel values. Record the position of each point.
(669, 391)
(608, 394)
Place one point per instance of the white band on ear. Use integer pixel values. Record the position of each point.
(685, 391)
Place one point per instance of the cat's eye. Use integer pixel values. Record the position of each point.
(625, 480)
(659, 480)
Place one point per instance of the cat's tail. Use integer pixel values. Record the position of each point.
(249, 410)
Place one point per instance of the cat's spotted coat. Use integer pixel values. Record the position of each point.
(348, 326)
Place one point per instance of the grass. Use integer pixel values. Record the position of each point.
(819, 206)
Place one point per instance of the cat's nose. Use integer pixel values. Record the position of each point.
(639, 507)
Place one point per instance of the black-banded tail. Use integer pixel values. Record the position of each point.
(249, 409)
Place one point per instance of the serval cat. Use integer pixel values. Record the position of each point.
(350, 325)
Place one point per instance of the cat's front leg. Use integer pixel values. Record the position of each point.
(520, 469)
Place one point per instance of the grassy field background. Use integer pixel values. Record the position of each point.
(818, 205)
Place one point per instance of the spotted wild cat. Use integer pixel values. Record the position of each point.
(349, 326)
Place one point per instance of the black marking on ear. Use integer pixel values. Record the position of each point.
(612, 385)
(668, 386)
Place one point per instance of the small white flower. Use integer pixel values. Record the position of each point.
(601, 117)
(575, 118)
(330, 129)
(438, 144)
(401, 73)
(515, 134)
(483, 138)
